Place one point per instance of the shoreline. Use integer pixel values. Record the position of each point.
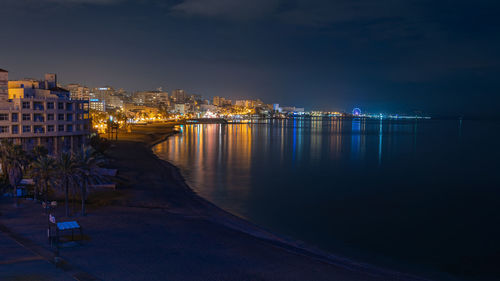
(154, 225)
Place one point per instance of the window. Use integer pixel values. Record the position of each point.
(26, 116)
(26, 129)
(38, 129)
(60, 105)
(60, 117)
(4, 129)
(38, 106)
(69, 128)
(69, 106)
(50, 105)
(78, 127)
(69, 117)
(50, 117)
(4, 117)
(60, 128)
(50, 128)
(15, 129)
(38, 118)
(26, 104)
(15, 117)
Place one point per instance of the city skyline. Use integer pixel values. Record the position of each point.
(385, 57)
(237, 140)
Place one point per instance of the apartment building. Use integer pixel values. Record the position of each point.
(36, 112)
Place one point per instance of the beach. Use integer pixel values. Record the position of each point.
(154, 227)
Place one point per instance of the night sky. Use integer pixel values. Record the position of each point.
(437, 57)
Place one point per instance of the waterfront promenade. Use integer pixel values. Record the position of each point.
(155, 228)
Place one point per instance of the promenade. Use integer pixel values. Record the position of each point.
(20, 263)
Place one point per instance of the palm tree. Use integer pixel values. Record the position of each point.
(15, 164)
(38, 151)
(88, 165)
(5, 147)
(43, 169)
(67, 171)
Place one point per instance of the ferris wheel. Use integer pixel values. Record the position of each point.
(356, 112)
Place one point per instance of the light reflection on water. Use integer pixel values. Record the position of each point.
(386, 191)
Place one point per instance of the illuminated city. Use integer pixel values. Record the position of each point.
(156, 106)
(237, 140)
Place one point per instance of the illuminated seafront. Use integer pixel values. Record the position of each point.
(256, 119)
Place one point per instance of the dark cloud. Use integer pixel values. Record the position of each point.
(228, 9)
(307, 12)
(60, 2)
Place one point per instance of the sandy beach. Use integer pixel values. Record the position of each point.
(154, 227)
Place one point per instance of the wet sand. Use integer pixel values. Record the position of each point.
(154, 227)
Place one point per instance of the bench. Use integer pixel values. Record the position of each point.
(63, 226)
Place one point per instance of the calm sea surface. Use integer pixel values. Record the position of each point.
(421, 196)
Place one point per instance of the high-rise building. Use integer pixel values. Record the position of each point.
(97, 105)
(249, 103)
(179, 96)
(220, 101)
(151, 98)
(4, 85)
(217, 101)
(78, 92)
(114, 101)
(40, 113)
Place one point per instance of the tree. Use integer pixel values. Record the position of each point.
(43, 169)
(88, 169)
(15, 163)
(67, 171)
(5, 147)
(38, 151)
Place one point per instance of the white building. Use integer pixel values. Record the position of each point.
(97, 105)
(151, 98)
(40, 113)
(180, 108)
(78, 92)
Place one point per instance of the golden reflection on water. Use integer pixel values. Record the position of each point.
(219, 157)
